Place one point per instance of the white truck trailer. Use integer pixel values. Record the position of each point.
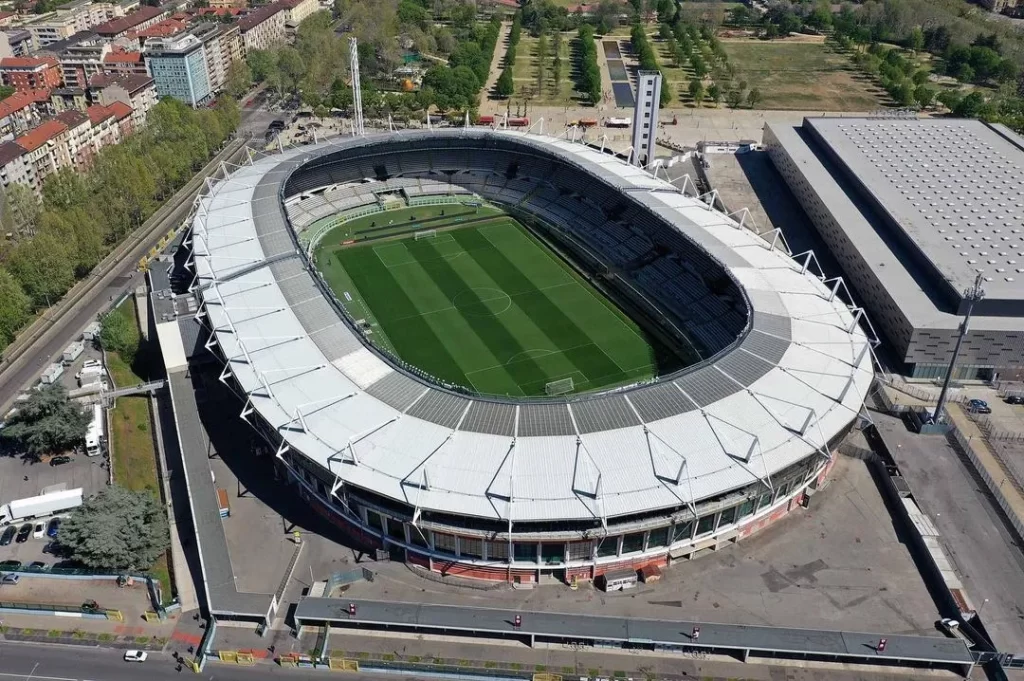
(73, 352)
(94, 435)
(52, 373)
(40, 506)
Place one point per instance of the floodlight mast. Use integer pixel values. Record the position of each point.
(357, 96)
(972, 296)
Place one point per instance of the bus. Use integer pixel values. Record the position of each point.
(94, 435)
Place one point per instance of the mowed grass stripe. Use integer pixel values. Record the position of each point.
(417, 344)
(491, 330)
(561, 329)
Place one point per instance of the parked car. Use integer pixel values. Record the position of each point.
(60, 460)
(1015, 399)
(39, 531)
(38, 566)
(135, 656)
(8, 536)
(979, 406)
(53, 528)
(24, 532)
(10, 578)
(10, 564)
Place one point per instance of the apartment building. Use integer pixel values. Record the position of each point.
(179, 67)
(164, 28)
(30, 73)
(125, 62)
(67, 98)
(76, 148)
(81, 61)
(139, 20)
(263, 28)
(14, 166)
(20, 41)
(222, 44)
(21, 112)
(69, 19)
(44, 152)
(295, 12)
(135, 91)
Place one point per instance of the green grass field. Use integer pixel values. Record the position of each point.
(488, 307)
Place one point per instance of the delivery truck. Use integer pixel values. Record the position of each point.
(40, 506)
(94, 434)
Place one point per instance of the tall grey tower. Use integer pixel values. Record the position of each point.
(645, 116)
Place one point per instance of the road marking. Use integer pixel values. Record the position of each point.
(32, 677)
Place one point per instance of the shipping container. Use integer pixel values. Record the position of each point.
(52, 373)
(520, 122)
(222, 502)
(73, 352)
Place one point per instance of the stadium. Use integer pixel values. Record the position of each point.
(507, 356)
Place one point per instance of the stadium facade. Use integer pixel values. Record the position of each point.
(913, 209)
(524, 490)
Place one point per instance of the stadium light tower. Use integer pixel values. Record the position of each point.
(972, 296)
(357, 95)
(645, 117)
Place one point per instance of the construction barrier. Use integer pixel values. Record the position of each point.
(227, 656)
(115, 615)
(344, 665)
(547, 677)
(151, 616)
(246, 659)
(288, 660)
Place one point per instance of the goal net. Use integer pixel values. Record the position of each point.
(426, 234)
(559, 387)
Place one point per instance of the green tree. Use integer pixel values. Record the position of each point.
(6, 91)
(46, 422)
(753, 97)
(715, 93)
(239, 78)
(542, 63)
(697, 91)
(117, 530)
(734, 98)
(44, 269)
(15, 307)
(924, 96)
(504, 87)
(24, 209)
(263, 64)
(118, 334)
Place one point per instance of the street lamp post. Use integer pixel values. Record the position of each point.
(972, 296)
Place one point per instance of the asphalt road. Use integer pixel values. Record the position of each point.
(36, 662)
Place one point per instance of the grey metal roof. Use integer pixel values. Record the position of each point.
(437, 619)
(218, 577)
(606, 413)
(660, 401)
(493, 418)
(544, 420)
(441, 408)
(397, 390)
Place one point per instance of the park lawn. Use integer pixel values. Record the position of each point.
(803, 76)
(489, 308)
(120, 371)
(133, 455)
(524, 73)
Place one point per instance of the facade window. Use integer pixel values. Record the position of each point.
(746, 508)
(658, 537)
(784, 490)
(580, 550)
(471, 547)
(396, 529)
(552, 554)
(682, 532)
(444, 543)
(633, 542)
(706, 525)
(417, 537)
(525, 552)
(497, 550)
(728, 516)
(608, 547)
(765, 501)
(373, 519)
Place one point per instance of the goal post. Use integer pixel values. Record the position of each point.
(559, 387)
(425, 234)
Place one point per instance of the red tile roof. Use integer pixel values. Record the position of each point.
(218, 11)
(72, 118)
(132, 82)
(257, 17)
(37, 137)
(99, 113)
(21, 100)
(8, 152)
(27, 62)
(161, 29)
(121, 110)
(7, 15)
(128, 22)
(123, 57)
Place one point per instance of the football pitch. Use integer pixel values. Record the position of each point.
(488, 307)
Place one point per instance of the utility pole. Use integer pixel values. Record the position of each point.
(972, 296)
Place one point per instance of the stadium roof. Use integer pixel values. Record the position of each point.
(790, 384)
